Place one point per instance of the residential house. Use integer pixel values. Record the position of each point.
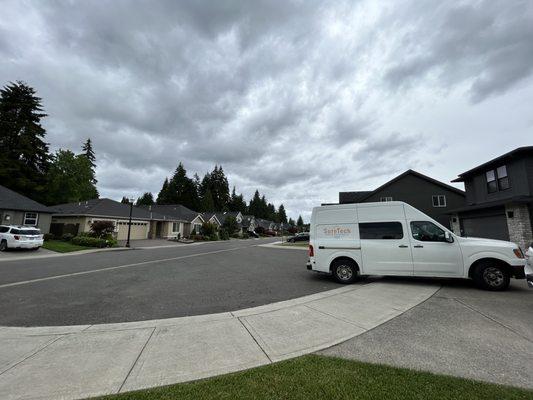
(429, 195)
(211, 217)
(264, 224)
(190, 221)
(77, 217)
(16, 209)
(499, 197)
(247, 223)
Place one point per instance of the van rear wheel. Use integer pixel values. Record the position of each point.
(491, 276)
(344, 271)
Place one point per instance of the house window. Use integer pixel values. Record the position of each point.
(388, 198)
(175, 227)
(503, 179)
(439, 200)
(30, 218)
(497, 179)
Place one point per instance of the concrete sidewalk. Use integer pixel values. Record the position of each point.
(75, 362)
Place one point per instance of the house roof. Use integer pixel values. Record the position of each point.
(221, 216)
(496, 203)
(520, 151)
(176, 211)
(207, 216)
(363, 195)
(264, 223)
(352, 197)
(107, 208)
(11, 200)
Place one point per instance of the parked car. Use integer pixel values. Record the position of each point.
(299, 237)
(270, 232)
(394, 238)
(20, 237)
(253, 234)
(529, 266)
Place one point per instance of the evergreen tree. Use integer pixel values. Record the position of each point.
(291, 222)
(125, 200)
(271, 212)
(69, 179)
(164, 196)
(184, 187)
(237, 202)
(147, 199)
(218, 185)
(88, 153)
(24, 158)
(254, 207)
(282, 215)
(207, 201)
(300, 221)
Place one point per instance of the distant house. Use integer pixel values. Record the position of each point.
(211, 217)
(429, 195)
(499, 197)
(191, 220)
(77, 217)
(247, 223)
(264, 224)
(16, 209)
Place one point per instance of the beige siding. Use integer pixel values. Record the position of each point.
(17, 218)
(139, 229)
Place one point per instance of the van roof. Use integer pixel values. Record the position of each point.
(354, 205)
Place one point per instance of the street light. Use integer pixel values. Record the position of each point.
(129, 223)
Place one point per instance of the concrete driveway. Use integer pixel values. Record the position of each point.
(460, 331)
(23, 254)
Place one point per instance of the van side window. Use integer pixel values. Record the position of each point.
(426, 231)
(380, 230)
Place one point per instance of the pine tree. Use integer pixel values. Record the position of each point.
(207, 201)
(291, 222)
(125, 200)
(282, 215)
(300, 221)
(163, 196)
(88, 151)
(184, 187)
(147, 199)
(24, 158)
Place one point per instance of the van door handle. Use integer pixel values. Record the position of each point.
(418, 246)
(403, 246)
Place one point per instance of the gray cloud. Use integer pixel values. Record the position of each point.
(295, 98)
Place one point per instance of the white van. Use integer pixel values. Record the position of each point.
(394, 238)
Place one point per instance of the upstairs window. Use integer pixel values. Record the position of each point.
(388, 198)
(503, 179)
(439, 200)
(497, 179)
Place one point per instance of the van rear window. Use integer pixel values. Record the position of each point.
(380, 230)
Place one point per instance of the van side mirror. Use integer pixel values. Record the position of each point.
(448, 237)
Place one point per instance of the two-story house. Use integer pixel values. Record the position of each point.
(429, 195)
(499, 196)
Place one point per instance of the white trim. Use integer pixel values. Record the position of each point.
(438, 196)
(36, 218)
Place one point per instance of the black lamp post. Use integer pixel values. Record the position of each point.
(129, 224)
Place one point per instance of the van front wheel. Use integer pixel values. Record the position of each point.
(491, 276)
(344, 271)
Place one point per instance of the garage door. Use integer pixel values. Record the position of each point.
(139, 230)
(492, 227)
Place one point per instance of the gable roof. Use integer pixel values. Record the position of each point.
(11, 200)
(519, 151)
(221, 216)
(362, 196)
(107, 208)
(352, 197)
(176, 211)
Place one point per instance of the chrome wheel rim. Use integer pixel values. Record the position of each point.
(344, 272)
(493, 276)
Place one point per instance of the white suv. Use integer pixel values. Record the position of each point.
(20, 237)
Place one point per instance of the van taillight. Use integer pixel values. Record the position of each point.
(311, 251)
(16, 237)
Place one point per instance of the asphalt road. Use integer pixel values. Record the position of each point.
(135, 285)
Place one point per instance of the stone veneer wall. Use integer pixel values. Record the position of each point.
(520, 231)
(455, 226)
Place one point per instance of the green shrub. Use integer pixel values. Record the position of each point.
(236, 236)
(67, 237)
(212, 238)
(197, 237)
(48, 236)
(89, 241)
(208, 229)
(102, 228)
(245, 235)
(223, 234)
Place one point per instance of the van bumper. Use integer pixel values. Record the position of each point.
(517, 271)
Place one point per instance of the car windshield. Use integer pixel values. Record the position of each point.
(25, 231)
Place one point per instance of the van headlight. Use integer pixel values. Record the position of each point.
(518, 252)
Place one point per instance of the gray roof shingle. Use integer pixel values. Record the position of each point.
(11, 200)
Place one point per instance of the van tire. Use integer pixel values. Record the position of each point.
(3, 245)
(491, 275)
(344, 271)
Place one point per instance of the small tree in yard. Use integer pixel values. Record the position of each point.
(209, 229)
(101, 229)
(230, 225)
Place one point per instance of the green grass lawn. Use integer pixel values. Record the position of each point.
(63, 247)
(295, 244)
(319, 377)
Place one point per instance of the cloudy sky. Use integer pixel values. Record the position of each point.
(299, 99)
